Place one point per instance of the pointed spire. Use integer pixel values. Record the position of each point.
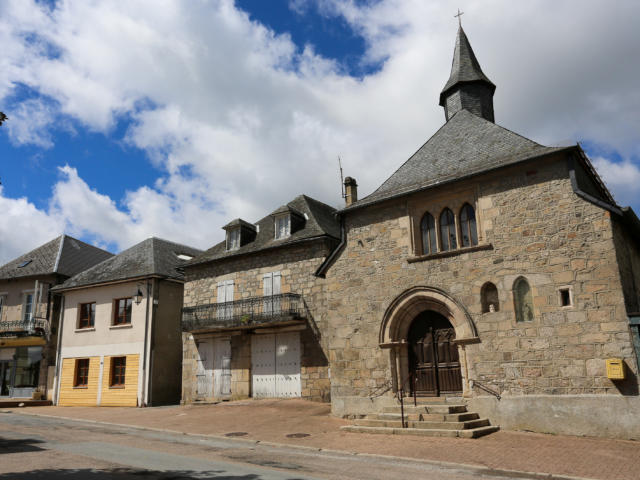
(468, 87)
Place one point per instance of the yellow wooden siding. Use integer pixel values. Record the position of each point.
(121, 397)
(71, 396)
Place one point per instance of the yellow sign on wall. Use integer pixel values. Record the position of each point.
(615, 369)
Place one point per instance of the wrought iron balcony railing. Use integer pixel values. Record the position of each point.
(244, 313)
(21, 328)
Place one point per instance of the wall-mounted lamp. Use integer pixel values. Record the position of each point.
(138, 296)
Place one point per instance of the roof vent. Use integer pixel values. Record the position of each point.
(184, 256)
(24, 264)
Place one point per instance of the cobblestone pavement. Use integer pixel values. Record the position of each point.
(282, 421)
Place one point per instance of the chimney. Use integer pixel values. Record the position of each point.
(350, 191)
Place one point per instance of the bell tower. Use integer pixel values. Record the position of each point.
(468, 87)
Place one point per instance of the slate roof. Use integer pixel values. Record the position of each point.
(464, 146)
(63, 255)
(321, 222)
(465, 67)
(153, 256)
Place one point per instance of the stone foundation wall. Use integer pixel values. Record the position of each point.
(533, 225)
(586, 415)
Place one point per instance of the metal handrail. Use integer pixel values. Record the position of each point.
(33, 326)
(244, 313)
(400, 396)
(475, 383)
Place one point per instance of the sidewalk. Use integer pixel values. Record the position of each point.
(274, 420)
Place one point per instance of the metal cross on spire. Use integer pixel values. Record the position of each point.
(459, 15)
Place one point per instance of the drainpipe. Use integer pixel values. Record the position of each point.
(56, 388)
(143, 403)
(154, 306)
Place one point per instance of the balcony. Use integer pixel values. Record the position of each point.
(284, 309)
(36, 326)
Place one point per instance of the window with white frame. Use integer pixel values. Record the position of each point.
(271, 288)
(27, 307)
(282, 226)
(233, 239)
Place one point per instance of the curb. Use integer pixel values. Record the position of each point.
(478, 469)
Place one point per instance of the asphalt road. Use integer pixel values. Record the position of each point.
(51, 448)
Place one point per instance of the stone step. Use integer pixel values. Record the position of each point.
(468, 433)
(427, 417)
(437, 400)
(481, 422)
(444, 409)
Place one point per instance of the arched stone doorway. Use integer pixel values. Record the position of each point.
(434, 361)
(435, 306)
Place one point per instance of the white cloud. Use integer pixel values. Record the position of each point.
(623, 178)
(30, 123)
(240, 119)
(24, 227)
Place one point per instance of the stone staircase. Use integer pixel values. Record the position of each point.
(432, 417)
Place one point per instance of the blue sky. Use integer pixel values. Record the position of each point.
(136, 121)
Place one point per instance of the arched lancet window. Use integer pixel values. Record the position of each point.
(447, 230)
(468, 226)
(489, 298)
(523, 300)
(428, 228)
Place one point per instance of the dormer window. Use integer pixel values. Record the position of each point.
(282, 226)
(239, 233)
(233, 239)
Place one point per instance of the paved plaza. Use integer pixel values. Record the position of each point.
(309, 425)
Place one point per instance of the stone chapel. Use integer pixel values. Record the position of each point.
(488, 268)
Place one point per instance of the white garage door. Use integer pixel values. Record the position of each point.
(275, 365)
(204, 373)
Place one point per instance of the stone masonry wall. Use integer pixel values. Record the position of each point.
(297, 265)
(538, 228)
(628, 254)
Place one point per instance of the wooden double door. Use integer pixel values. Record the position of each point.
(433, 356)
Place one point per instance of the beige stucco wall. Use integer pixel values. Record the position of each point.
(103, 332)
(533, 225)
(105, 339)
(13, 292)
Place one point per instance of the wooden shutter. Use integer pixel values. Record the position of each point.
(229, 291)
(275, 289)
(267, 291)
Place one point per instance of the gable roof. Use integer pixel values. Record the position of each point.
(320, 221)
(464, 146)
(63, 255)
(151, 257)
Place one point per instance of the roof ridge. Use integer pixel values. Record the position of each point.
(57, 263)
(153, 254)
(318, 201)
(172, 242)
